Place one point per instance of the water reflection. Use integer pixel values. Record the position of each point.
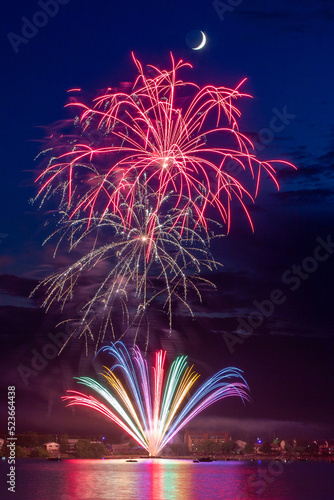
(168, 479)
(157, 477)
(154, 479)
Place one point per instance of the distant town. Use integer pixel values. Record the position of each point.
(195, 444)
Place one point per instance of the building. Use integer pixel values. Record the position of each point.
(71, 443)
(257, 447)
(193, 438)
(121, 448)
(323, 447)
(240, 444)
(52, 447)
(275, 447)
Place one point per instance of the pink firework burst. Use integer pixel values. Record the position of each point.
(151, 135)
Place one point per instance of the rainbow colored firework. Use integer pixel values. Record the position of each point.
(152, 412)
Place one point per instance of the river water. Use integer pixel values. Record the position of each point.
(159, 479)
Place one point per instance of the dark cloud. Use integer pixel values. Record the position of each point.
(312, 183)
(307, 196)
(16, 285)
(287, 16)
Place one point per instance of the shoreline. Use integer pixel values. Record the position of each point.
(228, 458)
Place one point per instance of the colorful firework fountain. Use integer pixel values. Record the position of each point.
(153, 411)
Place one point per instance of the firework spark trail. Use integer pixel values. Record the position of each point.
(149, 139)
(141, 193)
(153, 414)
(177, 258)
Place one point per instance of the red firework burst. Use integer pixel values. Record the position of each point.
(152, 136)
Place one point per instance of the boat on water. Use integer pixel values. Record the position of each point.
(54, 459)
(196, 461)
(131, 460)
(205, 459)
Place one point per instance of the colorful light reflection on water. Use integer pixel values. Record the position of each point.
(154, 479)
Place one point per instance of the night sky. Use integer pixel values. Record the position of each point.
(285, 49)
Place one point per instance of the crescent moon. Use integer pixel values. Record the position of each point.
(203, 42)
